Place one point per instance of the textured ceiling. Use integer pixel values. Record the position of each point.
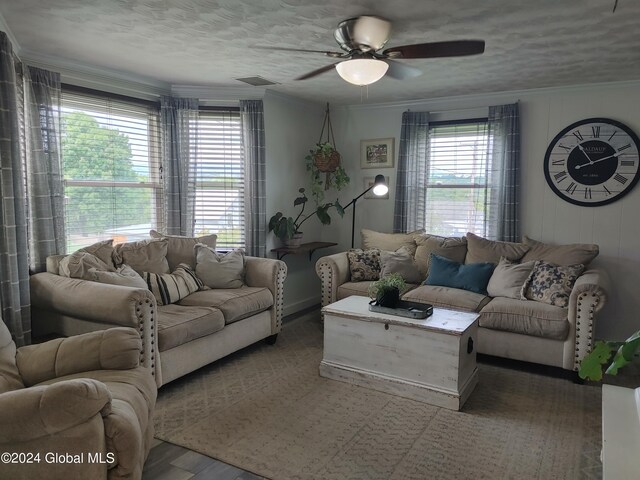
(529, 44)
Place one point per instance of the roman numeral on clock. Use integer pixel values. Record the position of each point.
(578, 135)
(628, 145)
(560, 176)
(568, 149)
(626, 163)
(620, 178)
(595, 131)
(606, 190)
(558, 162)
(571, 188)
(587, 193)
(612, 135)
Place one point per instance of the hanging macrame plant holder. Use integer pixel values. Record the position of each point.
(327, 162)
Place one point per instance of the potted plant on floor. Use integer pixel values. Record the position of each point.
(386, 291)
(288, 228)
(608, 357)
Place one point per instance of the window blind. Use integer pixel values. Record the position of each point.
(112, 168)
(457, 179)
(219, 168)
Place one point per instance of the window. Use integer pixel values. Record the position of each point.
(219, 168)
(112, 169)
(457, 188)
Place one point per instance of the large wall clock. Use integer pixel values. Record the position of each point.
(593, 162)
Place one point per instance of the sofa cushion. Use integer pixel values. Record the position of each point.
(453, 248)
(552, 284)
(9, 375)
(389, 241)
(402, 263)
(235, 304)
(447, 297)
(143, 256)
(572, 254)
(447, 273)
(178, 325)
(170, 287)
(219, 270)
(349, 289)
(180, 249)
(508, 279)
(525, 317)
(103, 250)
(482, 250)
(364, 264)
(124, 276)
(79, 265)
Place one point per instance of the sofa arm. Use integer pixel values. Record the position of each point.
(587, 299)
(333, 271)
(112, 349)
(111, 305)
(35, 412)
(269, 273)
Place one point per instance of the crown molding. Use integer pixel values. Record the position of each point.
(4, 26)
(482, 99)
(296, 101)
(108, 80)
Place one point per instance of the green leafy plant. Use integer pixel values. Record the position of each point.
(391, 281)
(322, 181)
(286, 227)
(610, 357)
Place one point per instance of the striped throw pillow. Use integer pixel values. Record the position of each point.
(170, 287)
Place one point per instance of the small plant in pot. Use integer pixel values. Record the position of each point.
(386, 291)
(609, 357)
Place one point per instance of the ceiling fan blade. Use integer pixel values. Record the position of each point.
(317, 72)
(286, 49)
(401, 71)
(455, 48)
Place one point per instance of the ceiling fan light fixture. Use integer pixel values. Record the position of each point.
(362, 71)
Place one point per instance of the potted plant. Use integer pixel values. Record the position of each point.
(323, 162)
(609, 357)
(386, 291)
(288, 228)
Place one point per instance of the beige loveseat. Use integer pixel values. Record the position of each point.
(177, 338)
(511, 328)
(66, 399)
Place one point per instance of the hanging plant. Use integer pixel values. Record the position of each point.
(323, 163)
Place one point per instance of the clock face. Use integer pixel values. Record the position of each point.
(593, 162)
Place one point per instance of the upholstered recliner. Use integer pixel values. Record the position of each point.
(76, 408)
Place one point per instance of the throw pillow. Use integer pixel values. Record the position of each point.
(170, 287)
(218, 270)
(181, 249)
(78, 264)
(508, 278)
(390, 242)
(143, 256)
(453, 248)
(364, 264)
(473, 277)
(482, 250)
(402, 263)
(103, 250)
(552, 284)
(572, 254)
(124, 276)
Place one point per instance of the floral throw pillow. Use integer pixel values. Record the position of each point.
(550, 283)
(364, 264)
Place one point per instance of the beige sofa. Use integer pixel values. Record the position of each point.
(66, 399)
(517, 329)
(177, 338)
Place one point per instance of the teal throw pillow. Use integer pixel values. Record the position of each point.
(448, 273)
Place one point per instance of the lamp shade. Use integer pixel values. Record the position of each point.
(380, 186)
(362, 71)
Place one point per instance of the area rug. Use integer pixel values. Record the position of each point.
(265, 409)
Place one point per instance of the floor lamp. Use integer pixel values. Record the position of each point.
(379, 188)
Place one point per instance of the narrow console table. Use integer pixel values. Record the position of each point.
(309, 248)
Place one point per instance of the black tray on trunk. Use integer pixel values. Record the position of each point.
(404, 309)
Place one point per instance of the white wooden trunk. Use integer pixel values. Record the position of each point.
(426, 360)
(620, 432)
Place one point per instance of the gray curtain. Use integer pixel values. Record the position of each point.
(503, 209)
(179, 123)
(14, 262)
(413, 171)
(45, 189)
(255, 211)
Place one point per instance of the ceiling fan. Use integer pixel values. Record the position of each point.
(361, 62)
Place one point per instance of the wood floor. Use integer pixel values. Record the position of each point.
(171, 462)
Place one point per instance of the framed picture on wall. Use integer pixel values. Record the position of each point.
(368, 182)
(377, 153)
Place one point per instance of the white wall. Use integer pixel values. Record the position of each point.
(615, 227)
(292, 127)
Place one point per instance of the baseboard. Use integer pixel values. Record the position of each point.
(291, 308)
